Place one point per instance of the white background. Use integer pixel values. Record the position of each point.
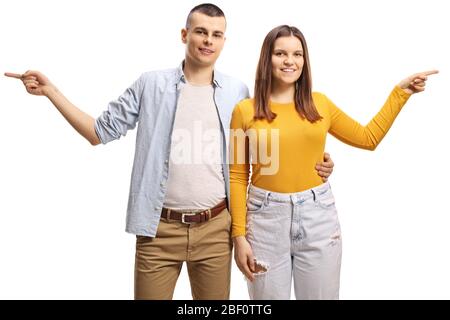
(63, 202)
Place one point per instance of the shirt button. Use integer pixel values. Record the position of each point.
(162, 184)
(166, 161)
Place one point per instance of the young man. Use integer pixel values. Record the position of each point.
(178, 215)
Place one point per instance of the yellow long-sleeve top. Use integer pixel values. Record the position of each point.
(301, 145)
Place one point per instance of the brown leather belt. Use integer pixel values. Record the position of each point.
(193, 216)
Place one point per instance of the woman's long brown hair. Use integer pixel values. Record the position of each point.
(263, 84)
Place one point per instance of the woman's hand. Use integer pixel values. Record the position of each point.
(243, 255)
(416, 82)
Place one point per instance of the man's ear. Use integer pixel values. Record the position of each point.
(184, 35)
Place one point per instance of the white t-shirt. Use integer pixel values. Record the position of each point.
(196, 178)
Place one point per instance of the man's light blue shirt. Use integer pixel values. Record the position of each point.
(151, 102)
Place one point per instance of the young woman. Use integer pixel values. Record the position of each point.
(286, 226)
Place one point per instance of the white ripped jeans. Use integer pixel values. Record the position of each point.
(295, 236)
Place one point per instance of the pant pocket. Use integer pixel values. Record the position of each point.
(255, 205)
(326, 199)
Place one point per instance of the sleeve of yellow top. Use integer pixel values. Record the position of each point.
(368, 137)
(239, 173)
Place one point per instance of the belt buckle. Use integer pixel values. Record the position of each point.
(187, 213)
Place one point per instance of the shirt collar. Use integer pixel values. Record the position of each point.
(217, 76)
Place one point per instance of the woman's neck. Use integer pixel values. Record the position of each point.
(282, 93)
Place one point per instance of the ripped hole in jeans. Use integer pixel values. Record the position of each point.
(260, 267)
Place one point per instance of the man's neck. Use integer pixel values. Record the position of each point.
(198, 75)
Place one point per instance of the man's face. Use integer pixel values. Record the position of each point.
(204, 39)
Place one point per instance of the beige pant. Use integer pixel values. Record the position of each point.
(206, 248)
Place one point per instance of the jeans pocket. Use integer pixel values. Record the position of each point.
(255, 205)
(326, 200)
(327, 203)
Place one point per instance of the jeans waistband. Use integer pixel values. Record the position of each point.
(312, 193)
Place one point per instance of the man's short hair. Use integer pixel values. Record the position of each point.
(209, 9)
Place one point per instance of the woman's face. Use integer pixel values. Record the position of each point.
(287, 60)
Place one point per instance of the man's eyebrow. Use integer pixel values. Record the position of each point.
(206, 30)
